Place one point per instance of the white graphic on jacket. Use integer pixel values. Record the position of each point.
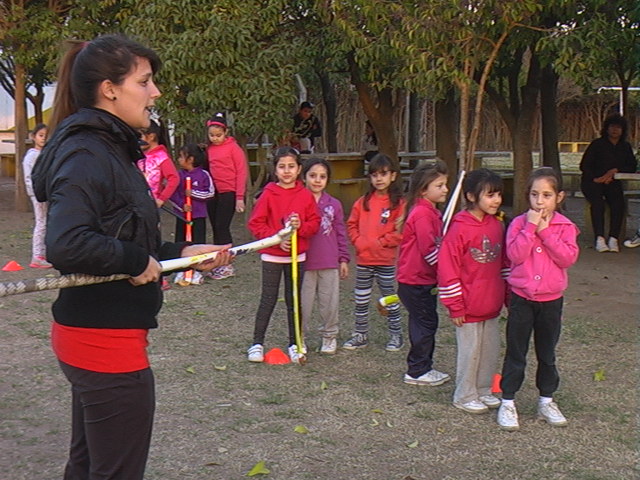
(326, 222)
(384, 216)
(488, 254)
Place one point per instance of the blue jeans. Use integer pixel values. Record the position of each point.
(423, 324)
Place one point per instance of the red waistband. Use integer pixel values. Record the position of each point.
(104, 350)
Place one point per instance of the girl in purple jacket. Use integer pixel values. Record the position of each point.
(327, 256)
(191, 159)
(541, 246)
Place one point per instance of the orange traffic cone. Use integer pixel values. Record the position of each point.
(12, 266)
(275, 356)
(495, 385)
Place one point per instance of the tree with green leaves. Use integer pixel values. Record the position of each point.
(600, 44)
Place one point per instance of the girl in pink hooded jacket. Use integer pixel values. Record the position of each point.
(228, 168)
(157, 166)
(541, 246)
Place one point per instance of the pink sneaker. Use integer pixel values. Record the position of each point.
(39, 262)
(223, 272)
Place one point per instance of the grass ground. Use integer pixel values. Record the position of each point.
(218, 415)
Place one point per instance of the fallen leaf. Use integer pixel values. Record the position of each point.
(323, 385)
(301, 429)
(413, 444)
(389, 424)
(199, 313)
(598, 376)
(220, 367)
(191, 369)
(258, 469)
(374, 422)
(222, 450)
(377, 410)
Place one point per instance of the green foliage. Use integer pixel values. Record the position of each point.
(223, 56)
(598, 41)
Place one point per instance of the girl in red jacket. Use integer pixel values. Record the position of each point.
(471, 267)
(417, 262)
(373, 229)
(228, 168)
(283, 201)
(541, 245)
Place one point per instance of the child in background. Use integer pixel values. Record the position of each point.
(541, 245)
(471, 272)
(38, 249)
(227, 164)
(327, 256)
(421, 236)
(157, 166)
(191, 159)
(373, 230)
(284, 201)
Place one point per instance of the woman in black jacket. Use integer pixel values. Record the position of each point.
(102, 220)
(604, 157)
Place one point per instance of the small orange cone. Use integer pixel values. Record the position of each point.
(495, 386)
(275, 356)
(12, 266)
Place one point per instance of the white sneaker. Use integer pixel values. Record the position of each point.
(197, 278)
(433, 378)
(256, 353)
(508, 417)
(550, 413)
(474, 406)
(601, 245)
(179, 278)
(294, 355)
(329, 345)
(633, 242)
(490, 401)
(613, 245)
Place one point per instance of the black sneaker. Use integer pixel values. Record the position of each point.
(395, 343)
(358, 340)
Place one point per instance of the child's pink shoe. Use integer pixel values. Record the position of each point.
(39, 262)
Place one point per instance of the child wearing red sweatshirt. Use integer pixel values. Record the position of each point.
(281, 202)
(417, 269)
(373, 229)
(228, 168)
(471, 284)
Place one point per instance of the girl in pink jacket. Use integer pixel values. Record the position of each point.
(157, 166)
(541, 245)
(228, 168)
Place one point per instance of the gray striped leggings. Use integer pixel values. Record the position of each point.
(385, 277)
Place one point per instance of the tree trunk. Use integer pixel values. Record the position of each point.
(329, 97)
(414, 123)
(21, 198)
(523, 162)
(549, 115)
(380, 113)
(446, 126)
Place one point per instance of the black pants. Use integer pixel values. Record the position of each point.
(545, 320)
(220, 209)
(599, 194)
(198, 230)
(420, 302)
(271, 275)
(112, 419)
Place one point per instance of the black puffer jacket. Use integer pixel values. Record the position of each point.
(102, 220)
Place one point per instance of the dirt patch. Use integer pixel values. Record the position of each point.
(218, 415)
